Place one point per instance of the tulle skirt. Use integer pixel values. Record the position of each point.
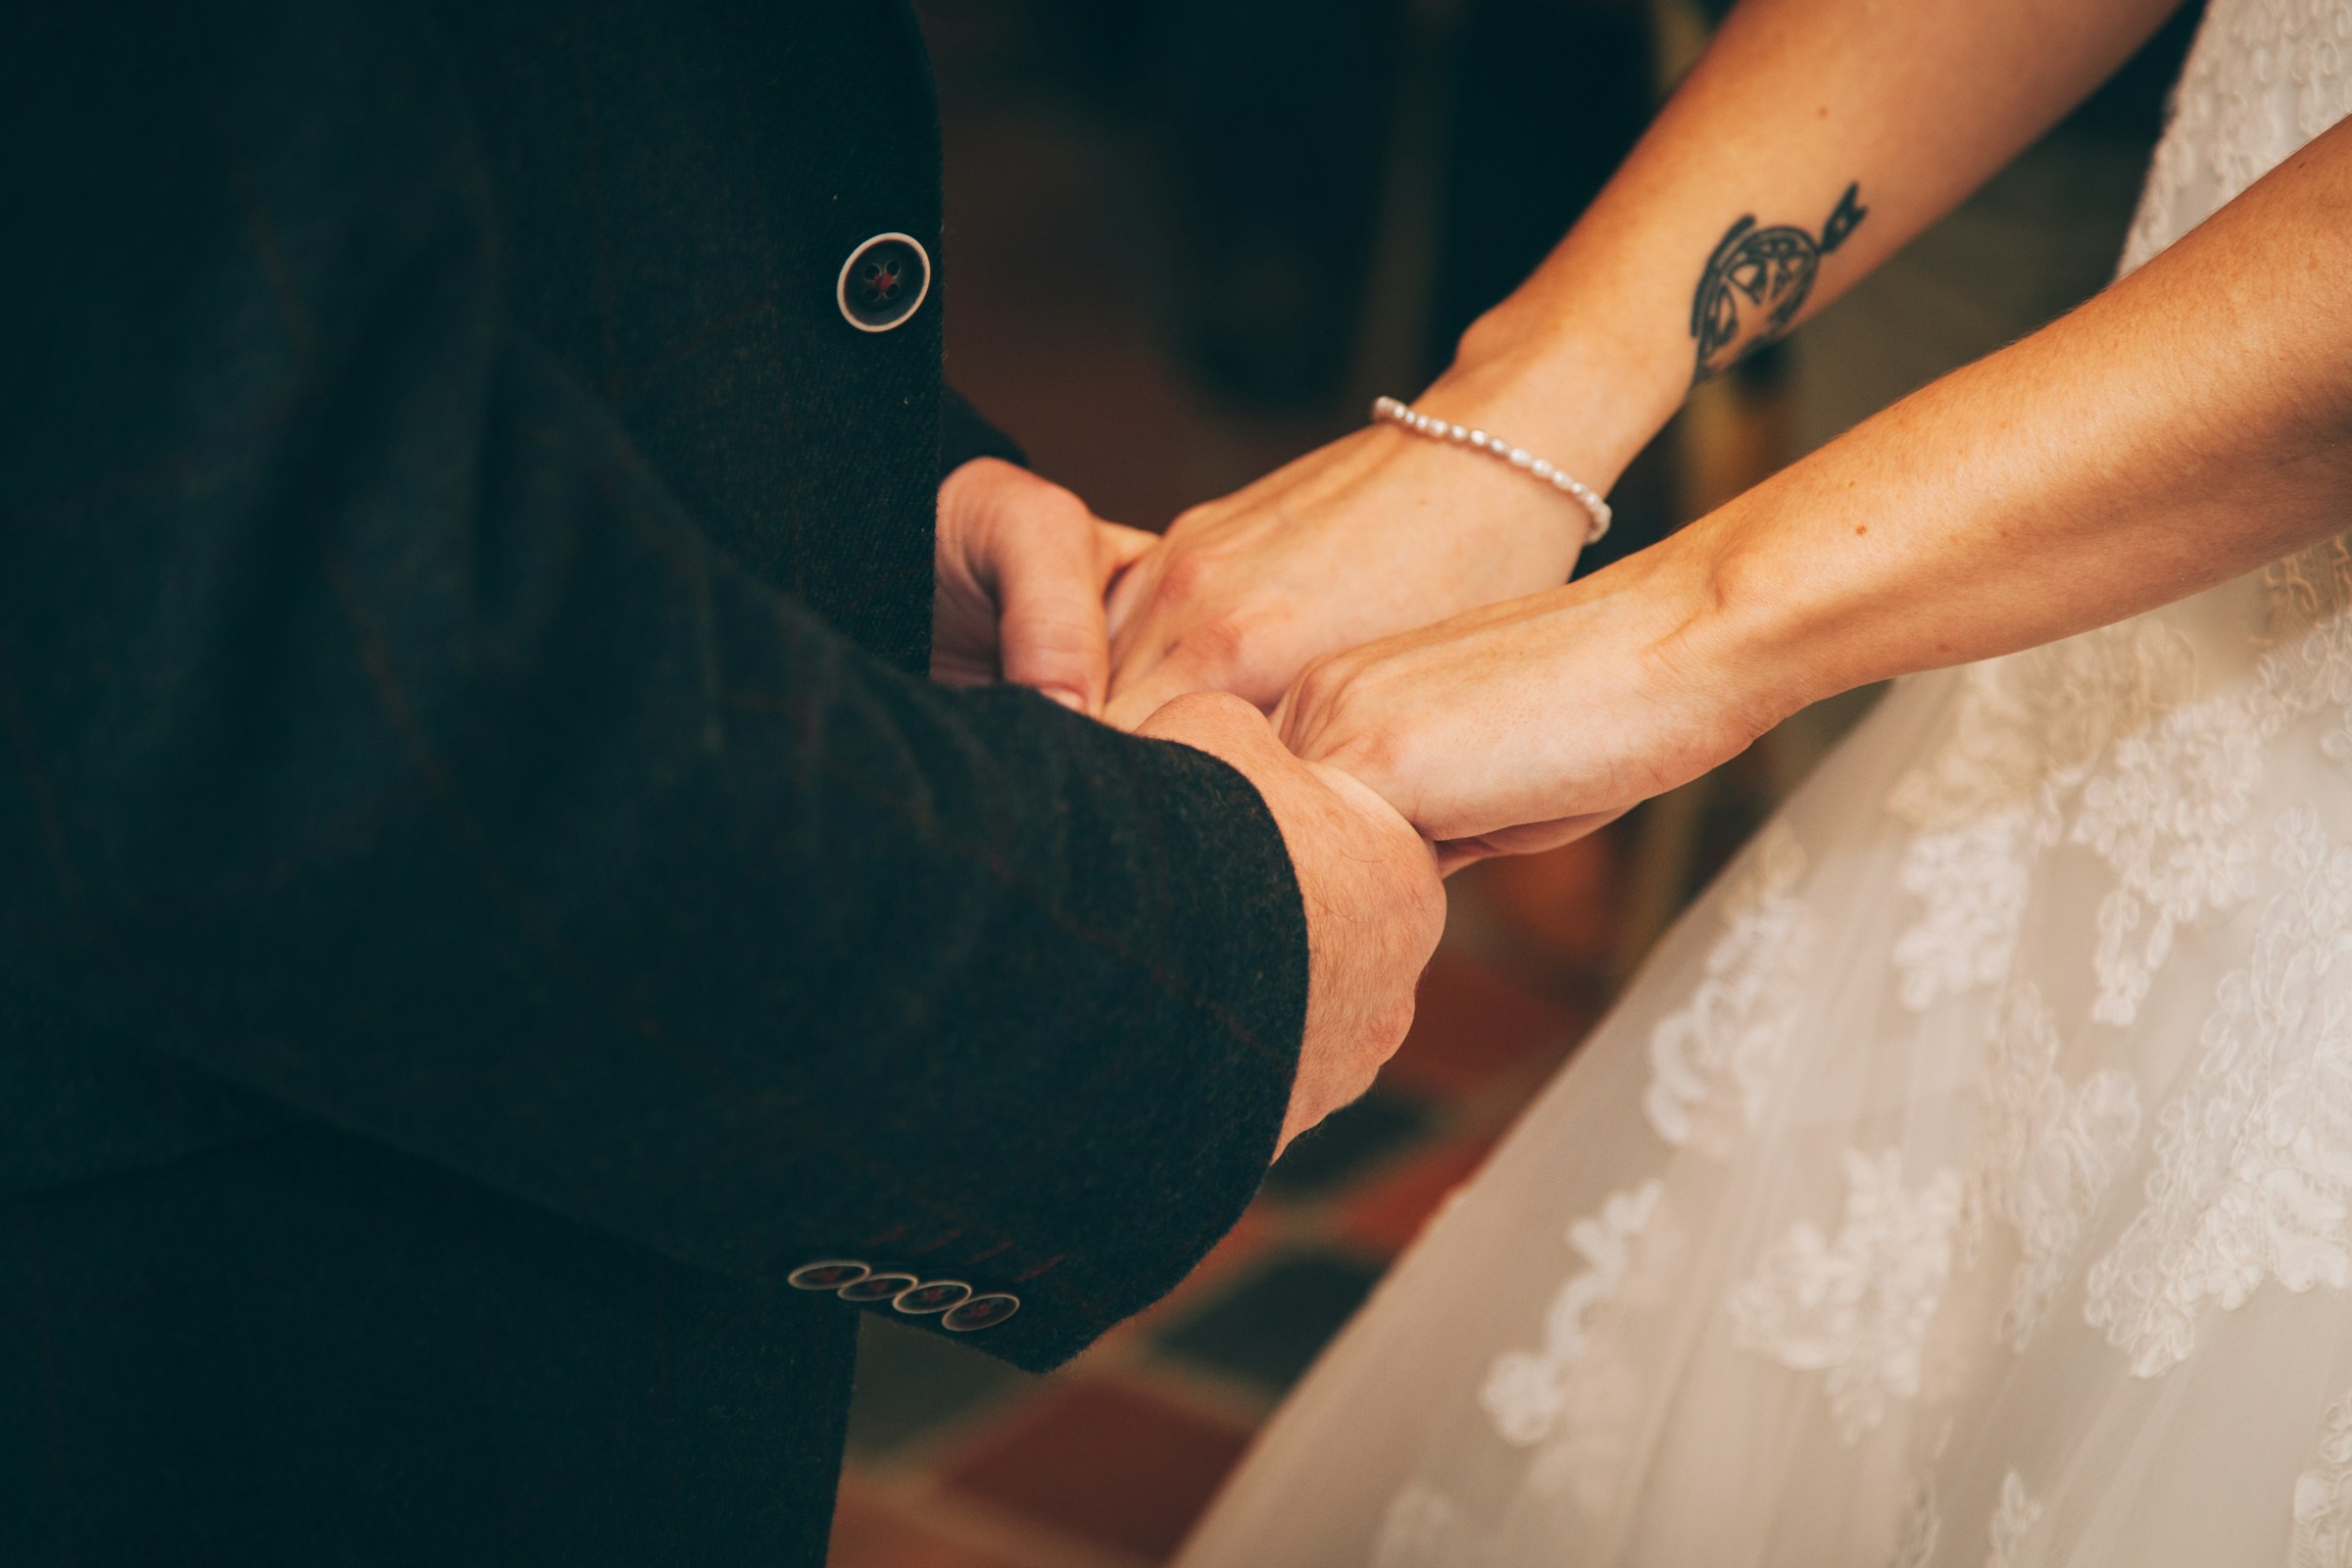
(1967, 1179)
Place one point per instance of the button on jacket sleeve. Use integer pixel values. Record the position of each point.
(381, 737)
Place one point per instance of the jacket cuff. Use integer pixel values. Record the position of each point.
(1186, 1103)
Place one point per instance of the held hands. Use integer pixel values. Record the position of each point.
(1525, 724)
(1022, 569)
(1377, 533)
(1530, 717)
(1508, 728)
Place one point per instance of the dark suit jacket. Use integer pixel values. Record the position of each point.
(483, 891)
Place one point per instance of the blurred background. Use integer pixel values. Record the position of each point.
(1188, 240)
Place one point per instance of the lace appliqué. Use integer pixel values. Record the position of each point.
(2242, 1190)
(2168, 815)
(1524, 1389)
(1922, 1524)
(1922, 1519)
(1857, 1307)
(1712, 1061)
(2051, 1151)
(2266, 79)
(2047, 714)
(2323, 1497)
(1972, 882)
(2253, 1180)
(2306, 595)
(2025, 732)
(2107, 729)
(1421, 1529)
(1578, 1396)
(2013, 1518)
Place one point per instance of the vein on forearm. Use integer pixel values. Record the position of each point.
(2190, 423)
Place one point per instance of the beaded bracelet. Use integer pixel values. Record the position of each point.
(1393, 410)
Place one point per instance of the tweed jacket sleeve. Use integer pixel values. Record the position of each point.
(380, 737)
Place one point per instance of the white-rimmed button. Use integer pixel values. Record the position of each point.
(932, 1295)
(884, 282)
(878, 1287)
(829, 1274)
(980, 1312)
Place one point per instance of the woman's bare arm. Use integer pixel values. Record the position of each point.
(1812, 139)
(2188, 425)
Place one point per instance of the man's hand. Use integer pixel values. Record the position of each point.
(1377, 533)
(1022, 568)
(1373, 905)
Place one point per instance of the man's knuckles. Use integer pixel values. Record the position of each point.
(1216, 721)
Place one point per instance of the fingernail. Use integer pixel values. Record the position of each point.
(1069, 700)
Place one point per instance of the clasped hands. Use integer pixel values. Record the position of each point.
(1435, 694)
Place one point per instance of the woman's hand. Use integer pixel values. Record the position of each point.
(1525, 724)
(1835, 130)
(1378, 533)
(1022, 569)
(2188, 425)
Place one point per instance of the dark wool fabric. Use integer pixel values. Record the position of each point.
(483, 893)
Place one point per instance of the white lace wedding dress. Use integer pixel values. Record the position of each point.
(1968, 1179)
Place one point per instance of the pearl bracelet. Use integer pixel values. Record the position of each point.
(1392, 411)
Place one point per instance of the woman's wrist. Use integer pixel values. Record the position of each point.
(1727, 626)
(1585, 400)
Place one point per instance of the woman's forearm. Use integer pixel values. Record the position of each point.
(2188, 425)
(1811, 141)
(1814, 138)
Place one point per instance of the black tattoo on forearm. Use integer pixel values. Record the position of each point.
(1757, 283)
